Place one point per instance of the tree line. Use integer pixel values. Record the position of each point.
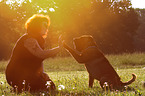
(116, 26)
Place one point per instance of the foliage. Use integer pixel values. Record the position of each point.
(140, 35)
(8, 33)
(112, 24)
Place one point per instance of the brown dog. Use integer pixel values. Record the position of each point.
(98, 67)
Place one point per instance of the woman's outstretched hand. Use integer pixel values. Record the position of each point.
(60, 41)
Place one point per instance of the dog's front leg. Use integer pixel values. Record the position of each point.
(91, 81)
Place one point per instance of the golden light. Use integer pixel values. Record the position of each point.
(14, 1)
(11, 2)
(138, 3)
(52, 9)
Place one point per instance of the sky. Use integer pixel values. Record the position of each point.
(138, 3)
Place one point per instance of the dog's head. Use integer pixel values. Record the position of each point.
(83, 42)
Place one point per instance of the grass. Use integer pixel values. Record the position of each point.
(71, 78)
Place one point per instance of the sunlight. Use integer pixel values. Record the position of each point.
(13, 1)
(52, 9)
(10, 2)
(42, 10)
(138, 3)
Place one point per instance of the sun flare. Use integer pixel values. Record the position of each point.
(138, 3)
(10, 2)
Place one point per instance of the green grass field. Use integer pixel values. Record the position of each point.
(71, 78)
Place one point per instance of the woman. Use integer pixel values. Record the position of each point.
(25, 68)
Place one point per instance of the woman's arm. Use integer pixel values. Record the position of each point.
(32, 45)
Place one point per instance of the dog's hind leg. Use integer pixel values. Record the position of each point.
(91, 81)
(102, 81)
(106, 79)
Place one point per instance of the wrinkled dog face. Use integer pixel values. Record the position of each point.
(81, 43)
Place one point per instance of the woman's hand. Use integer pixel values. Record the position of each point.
(60, 41)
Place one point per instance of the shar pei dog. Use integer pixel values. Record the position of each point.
(86, 51)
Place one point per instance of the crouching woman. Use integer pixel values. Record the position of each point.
(25, 68)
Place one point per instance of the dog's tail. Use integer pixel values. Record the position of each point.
(130, 81)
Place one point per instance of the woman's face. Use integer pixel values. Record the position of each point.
(44, 29)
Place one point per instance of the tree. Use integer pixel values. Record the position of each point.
(140, 34)
(8, 35)
(113, 24)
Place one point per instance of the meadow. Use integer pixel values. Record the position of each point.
(71, 78)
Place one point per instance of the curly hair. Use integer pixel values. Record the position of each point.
(33, 24)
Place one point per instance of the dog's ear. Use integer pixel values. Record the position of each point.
(91, 41)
